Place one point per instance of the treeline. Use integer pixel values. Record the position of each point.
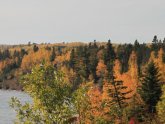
(81, 83)
(84, 59)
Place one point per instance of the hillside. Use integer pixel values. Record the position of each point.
(105, 69)
(129, 64)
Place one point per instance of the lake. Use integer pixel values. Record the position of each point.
(7, 114)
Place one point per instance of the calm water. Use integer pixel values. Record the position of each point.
(7, 114)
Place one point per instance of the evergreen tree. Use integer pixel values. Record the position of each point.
(16, 54)
(23, 52)
(29, 43)
(164, 40)
(94, 62)
(136, 45)
(72, 61)
(6, 54)
(53, 55)
(155, 40)
(143, 54)
(35, 48)
(95, 44)
(90, 45)
(93, 49)
(109, 53)
(155, 45)
(123, 54)
(85, 60)
(18, 63)
(163, 57)
(48, 48)
(1, 55)
(150, 90)
(109, 57)
(118, 93)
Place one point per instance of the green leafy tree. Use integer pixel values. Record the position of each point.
(150, 90)
(82, 104)
(51, 97)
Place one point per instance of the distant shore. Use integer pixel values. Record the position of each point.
(11, 84)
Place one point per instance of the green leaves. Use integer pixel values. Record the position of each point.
(51, 97)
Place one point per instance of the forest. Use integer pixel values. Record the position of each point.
(87, 83)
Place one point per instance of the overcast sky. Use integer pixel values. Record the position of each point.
(81, 20)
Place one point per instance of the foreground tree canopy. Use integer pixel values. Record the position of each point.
(50, 94)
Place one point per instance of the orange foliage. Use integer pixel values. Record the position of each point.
(130, 78)
(117, 68)
(62, 58)
(99, 101)
(5, 63)
(34, 58)
(95, 98)
(159, 62)
(69, 74)
(101, 69)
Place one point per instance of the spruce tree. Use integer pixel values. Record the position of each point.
(150, 90)
(155, 45)
(72, 60)
(136, 45)
(93, 49)
(93, 67)
(118, 92)
(164, 40)
(155, 40)
(109, 53)
(53, 55)
(109, 57)
(35, 48)
(86, 62)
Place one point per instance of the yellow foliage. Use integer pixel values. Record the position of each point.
(34, 58)
(101, 69)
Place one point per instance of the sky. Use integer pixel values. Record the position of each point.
(53, 21)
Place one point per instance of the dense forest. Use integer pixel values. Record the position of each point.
(97, 82)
